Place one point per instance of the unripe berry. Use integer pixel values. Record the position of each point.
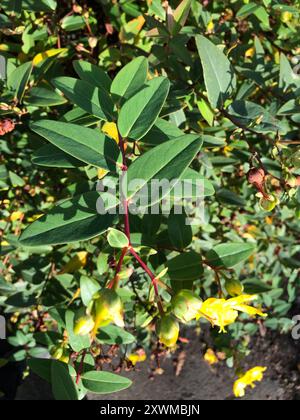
(186, 305)
(84, 325)
(234, 287)
(168, 330)
(107, 308)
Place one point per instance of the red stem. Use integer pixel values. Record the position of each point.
(80, 367)
(127, 232)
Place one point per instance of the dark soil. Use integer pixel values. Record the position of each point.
(198, 381)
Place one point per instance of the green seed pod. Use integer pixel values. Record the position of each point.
(84, 325)
(107, 308)
(234, 287)
(168, 330)
(270, 203)
(186, 305)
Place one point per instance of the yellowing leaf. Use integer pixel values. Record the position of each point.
(77, 262)
(111, 129)
(46, 54)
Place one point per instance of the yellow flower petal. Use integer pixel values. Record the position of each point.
(210, 357)
(253, 375)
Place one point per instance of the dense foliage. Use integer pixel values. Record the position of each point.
(97, 95)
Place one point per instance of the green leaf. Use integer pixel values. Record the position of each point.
(117, 239)
(73, 23)
(19, 79)
(180, 232)
(41, 367)
(91, 99)
(161, 132)
(219, 76)
(77, 342)
(73, 220)
(39, 6)
(63, 386)
(247, 10)
(139, 113)
(104, 382)
(92, 74)
(44, 97)
(185, 267)
(88, 288)
(114, 335)
(288, 78)
(255, 286)
(254, 116)
(51, 156)
(130, 79)
(180, 15)
(230, 254)
(165, 162)
(231, 198)
(85, 144)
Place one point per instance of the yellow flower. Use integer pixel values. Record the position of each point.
(223, 312)
(137, 357)
(16, 215)
(210, 357)
(253, 375)
(75, 263)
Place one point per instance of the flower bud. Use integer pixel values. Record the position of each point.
(186, 305)
(59, 352)
(107, 308)
(84, 325)
(269, 204)
(234, 287)
(56, 352)
(168, 330)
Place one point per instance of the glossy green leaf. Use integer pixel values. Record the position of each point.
(63, 386)
(219, 76)
(165, 162)
(44, 97)
(104, 382)
(88, 288)
(73, 220)
(180, 232)
(139, 113)
(254, 116)
(130, 79)
(185, 267)
(91, 99)
(84, 144)
(117, 239)
(19, 79)
(230, 254)
(115, 335)
(51, 156)
(92, 74)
